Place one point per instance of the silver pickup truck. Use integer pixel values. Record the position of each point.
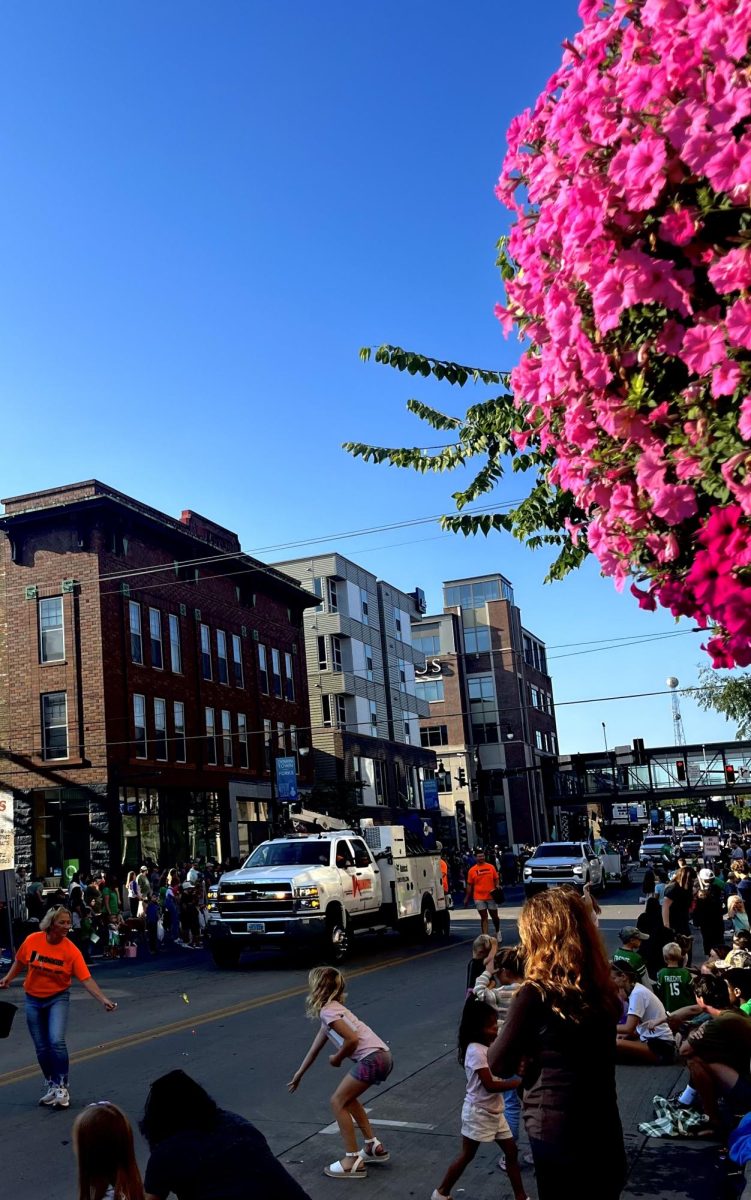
(562, 862)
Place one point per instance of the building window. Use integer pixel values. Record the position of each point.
(429, 689)
(426, 643)
(136, 641)
(318, 591)
(476, 639)
(407, 732)
(206, 652)
(210, 737)
(51, 634)
(176, 657)
(326, 708)
(55, 725)
(267, 743)
(364, 605)
(222, 668)
(155, 638)
(484, 733)
(263, 670)
(160, 729)
(333, 595)
(480, 687)
(242, 739)
(178, 715)
(398, 621)
(368, 664)
(226, 738)
(373, 717)
(293, 739)
(402, 675)
(444, 781)
(336, 653)
(538, 740)
(341, 712)
(139, 726)
(281, 738)
(380, 781)
(276, 672)
(527, 646)
(323, 658)
(434, 735)
(289, 679)
(237, 661)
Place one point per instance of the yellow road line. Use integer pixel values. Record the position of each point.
(219, 1014)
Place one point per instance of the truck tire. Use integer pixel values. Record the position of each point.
(443, 923)
(338, 938)
(427, 920)
(226, 957)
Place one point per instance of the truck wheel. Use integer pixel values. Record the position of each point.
(337, 938)
(443, 923)
(427, 921)
(226, 958)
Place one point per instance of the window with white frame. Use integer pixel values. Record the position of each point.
(55, 725)
(160, 729)
(336, 653)
(226, 738)
(429, 689)
(538, 740)
(237, 661)
(210, 737)
(178, 717)
(289, 678)
(155, 638)
(276, 672)
(242, 739)
(175, 649)
(136, 639)
(323, 657)
(206, 652)
(139, 726)
(341, 712)
(364, 611)
(263, 670)
(333, 595)
(222, 666)
(318, 590)
(328, 719)
(51, 633)
(267, 743)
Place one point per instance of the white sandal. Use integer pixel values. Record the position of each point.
(373, 1151)
(356, 1171)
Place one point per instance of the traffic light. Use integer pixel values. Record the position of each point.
(729, 775)
(461, 778)
(680, 770)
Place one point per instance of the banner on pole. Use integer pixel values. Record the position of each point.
(7, 836)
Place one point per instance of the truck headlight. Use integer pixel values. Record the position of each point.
(578, 870)
(527, 872)
(212, 907)
(307, 897)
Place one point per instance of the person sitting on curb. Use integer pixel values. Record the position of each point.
(631, 941)
(718, 1053)
(482, 881)
(644, 1036)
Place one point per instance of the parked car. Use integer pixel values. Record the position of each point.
(554, 863)
(692, 845)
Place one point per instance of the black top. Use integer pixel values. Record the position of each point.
(679, 908)
(232, 1161)
(569, 1079)
(708, 913)
(475, 968)
(659, 936)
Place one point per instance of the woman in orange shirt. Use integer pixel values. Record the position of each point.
(52, 961)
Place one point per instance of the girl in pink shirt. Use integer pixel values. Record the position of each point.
(372, 1063)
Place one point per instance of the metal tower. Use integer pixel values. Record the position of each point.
(679, 733)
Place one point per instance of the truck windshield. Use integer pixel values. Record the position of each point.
(290, 854)
(559, 850)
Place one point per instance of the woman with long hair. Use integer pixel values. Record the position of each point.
(650, 922)
(103, 1143)
(560, 1035)
(52, 962)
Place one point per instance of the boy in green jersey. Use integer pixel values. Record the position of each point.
(675, 983)
(631, 940)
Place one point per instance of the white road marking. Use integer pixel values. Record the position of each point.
(410, 1126)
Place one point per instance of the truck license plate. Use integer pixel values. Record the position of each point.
(256, 927)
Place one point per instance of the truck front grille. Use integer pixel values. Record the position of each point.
(255, 899)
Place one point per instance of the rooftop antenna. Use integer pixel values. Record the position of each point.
(679, 733)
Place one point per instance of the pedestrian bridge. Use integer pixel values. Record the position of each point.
(720, 770)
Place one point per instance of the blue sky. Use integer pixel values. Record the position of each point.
(208, 208)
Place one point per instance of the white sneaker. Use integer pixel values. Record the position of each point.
(62, 1097)
(50, 1093)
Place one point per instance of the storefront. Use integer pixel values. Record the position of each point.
(167, 826)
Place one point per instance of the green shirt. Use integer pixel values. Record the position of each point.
(746, 1007)
(674, 986)
(635, 961)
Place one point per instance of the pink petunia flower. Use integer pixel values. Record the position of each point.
(703, 348)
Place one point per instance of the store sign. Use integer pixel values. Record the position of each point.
(432, 667)
(7, 837)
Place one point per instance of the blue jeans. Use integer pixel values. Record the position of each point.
(47, 1019)
(513, 1108)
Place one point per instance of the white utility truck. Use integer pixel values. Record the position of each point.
(326, 888)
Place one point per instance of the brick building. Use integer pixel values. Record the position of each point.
(364, 706)
(150, 673)
(492, 718)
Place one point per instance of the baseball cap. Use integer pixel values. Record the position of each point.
(738, 958)
(706, 875)
(630, 931)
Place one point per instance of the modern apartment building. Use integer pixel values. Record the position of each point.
(150, 675)
(364, 705)
(492, 718)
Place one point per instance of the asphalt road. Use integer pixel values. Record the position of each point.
(243, 1033)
